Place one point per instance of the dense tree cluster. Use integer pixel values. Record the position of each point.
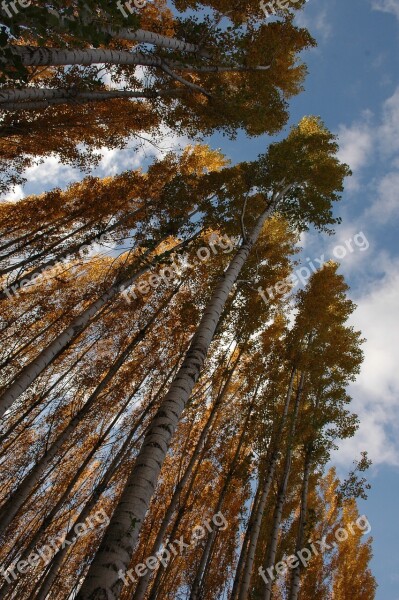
(144, 379)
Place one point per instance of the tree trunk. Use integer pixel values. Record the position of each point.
(56, 562)
(31, 341)
(18, 99)
(4, 436)
(59, 503)
(42, 253)
(47, 356)
(35, 56)
(24, 490)
(198, 583)
(300, 540)
(163, 41)
(139, 35)
(271, 462)
(278, 511)
(244, 548)
(143, 583)
(36, 234)
(103, 580)
(72, 250)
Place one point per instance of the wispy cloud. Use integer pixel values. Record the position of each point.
(388, 6)
(316, 19)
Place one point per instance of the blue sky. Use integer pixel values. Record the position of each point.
(353, 86)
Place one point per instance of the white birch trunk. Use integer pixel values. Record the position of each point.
(113, 557)
(140, 35)
(51, 575)
(278, 512)
(22, 493)
(76, 476)
(31, 98)
(31, 371)
(162, 41)
(296, 575)
(36, 56)
(143, 582)
(271, 466)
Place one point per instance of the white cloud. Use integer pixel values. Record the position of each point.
(16, 194)
(51, 172)
(367, 142)
(386, 207)
(376, 391)
(316, 20)
(388, 6)
(388, 132)
(355, 149)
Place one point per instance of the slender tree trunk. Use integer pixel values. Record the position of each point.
(18, 240)
(47, 356)
(72, 250)
(103, 581)
(24, 490)
(57, 560)
(42, 253)
(244, 548)
(37, 234)
(142, 36)
(278, 511)
(198, 583)
(36, 98)
(21, 349)
(35, 56)
(163, 41)
(162, 570)
(64, 496)
(143, 583)
(296, 574)
(4, 436)
(46, 56)
(268, 480)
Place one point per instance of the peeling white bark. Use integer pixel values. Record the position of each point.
(156, 39)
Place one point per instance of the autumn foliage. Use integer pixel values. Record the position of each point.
(143, 376)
